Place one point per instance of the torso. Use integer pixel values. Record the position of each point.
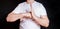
(24, 8)
(29, 23)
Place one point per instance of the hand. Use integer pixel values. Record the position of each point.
(32, 11)
(27, 15)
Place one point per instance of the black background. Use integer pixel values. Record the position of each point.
(52, 8)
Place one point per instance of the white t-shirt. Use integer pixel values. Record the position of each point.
(24, 8)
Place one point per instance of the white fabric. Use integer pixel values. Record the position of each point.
(24, 8)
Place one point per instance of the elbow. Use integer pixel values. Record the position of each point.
(9, 20)
(47, 24)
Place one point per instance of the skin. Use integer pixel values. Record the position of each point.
(12, 17)
(30, 1)
(43, 20)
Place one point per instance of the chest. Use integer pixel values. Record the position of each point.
(36, 8)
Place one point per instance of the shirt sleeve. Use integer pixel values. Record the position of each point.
(42, 10)
(18, 10)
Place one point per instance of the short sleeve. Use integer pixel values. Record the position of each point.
(18, 9)
(42, 10)
(39, 9)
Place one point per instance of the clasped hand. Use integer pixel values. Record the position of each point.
(30, 14)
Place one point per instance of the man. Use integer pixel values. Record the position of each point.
(32, 14)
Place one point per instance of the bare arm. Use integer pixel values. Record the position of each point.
(43, 21)
(13, 17)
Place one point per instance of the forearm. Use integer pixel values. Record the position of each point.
(42, 21)
(13, 17)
